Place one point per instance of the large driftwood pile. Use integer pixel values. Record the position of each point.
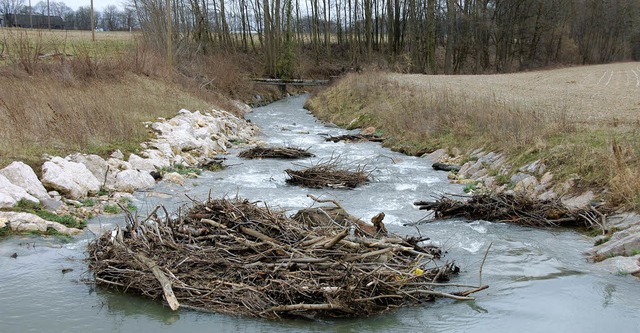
(275, 152)
(515, 208)
(236, 257)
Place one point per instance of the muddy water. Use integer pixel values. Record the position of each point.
(539, 281)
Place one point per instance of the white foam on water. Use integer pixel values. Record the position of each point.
(406, 187)
(478, 226)
(471, 246)
(253, 180)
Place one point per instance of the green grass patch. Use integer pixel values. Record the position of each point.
(33, 208)
(111, 209)
(470, 187)
(181, 169)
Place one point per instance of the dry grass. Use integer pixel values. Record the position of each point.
(92, 101)
(507, 113)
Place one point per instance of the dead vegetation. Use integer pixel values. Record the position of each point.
(275, 152)
(241, 258)
(94, 97)
(517, 209)
(328, 174)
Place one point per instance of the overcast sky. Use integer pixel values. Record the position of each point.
(97, 4)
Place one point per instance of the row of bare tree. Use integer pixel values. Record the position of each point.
(426, 36)
(423, 36)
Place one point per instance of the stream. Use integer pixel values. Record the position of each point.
(539, 280)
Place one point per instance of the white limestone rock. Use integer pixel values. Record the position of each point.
(438, 155)
(174, 177)
(621, 265)
(117, 154)
(10, 194)
(20, 174)
(98, 166)
(526, 185)
(22, 222)
(71, 179)
(140, 163)
(181, 140)
(133, 180)
(580, 201)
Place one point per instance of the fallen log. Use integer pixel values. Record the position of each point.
(445, 167)
(354, 138)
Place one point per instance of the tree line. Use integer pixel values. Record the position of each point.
(420, 36)
(110, 18)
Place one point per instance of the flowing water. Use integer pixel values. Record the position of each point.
(539, 280)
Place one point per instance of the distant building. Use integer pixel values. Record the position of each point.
(39, 21)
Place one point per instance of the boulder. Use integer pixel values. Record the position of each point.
(469, 168)
(146, 164)
(22, 175)
(174, 177)
(580, 201)
(437, 155)
(535, 167)
(23, 222)
(368, 131)
(526, 185)
(157, 157)
(71, 179)
(10, 194)
(623, 221)
(621, 244)
(621, 265)
(243, 107)
(181, 140)
(118, 165)
(132, 180)
(98, 167)
(117, 154)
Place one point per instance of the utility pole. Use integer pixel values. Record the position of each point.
(93, 28)
(48, 16)
(30, 15)
(169, 46)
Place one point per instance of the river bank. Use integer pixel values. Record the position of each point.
(511, 143)
(538, 278)
(80, 186)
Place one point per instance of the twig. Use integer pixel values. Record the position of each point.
(482, 264)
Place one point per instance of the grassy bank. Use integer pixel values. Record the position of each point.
(62, 93)
(419, 118)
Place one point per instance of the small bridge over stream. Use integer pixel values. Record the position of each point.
(291, 82)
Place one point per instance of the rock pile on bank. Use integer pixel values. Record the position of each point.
(190, 139)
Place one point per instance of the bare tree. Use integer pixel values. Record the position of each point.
(11, 6)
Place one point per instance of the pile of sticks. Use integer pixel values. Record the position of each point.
(275, 152)
(515, 208)
(242, 258)
(327, 174)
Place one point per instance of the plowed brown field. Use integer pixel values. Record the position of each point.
(586, 94)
